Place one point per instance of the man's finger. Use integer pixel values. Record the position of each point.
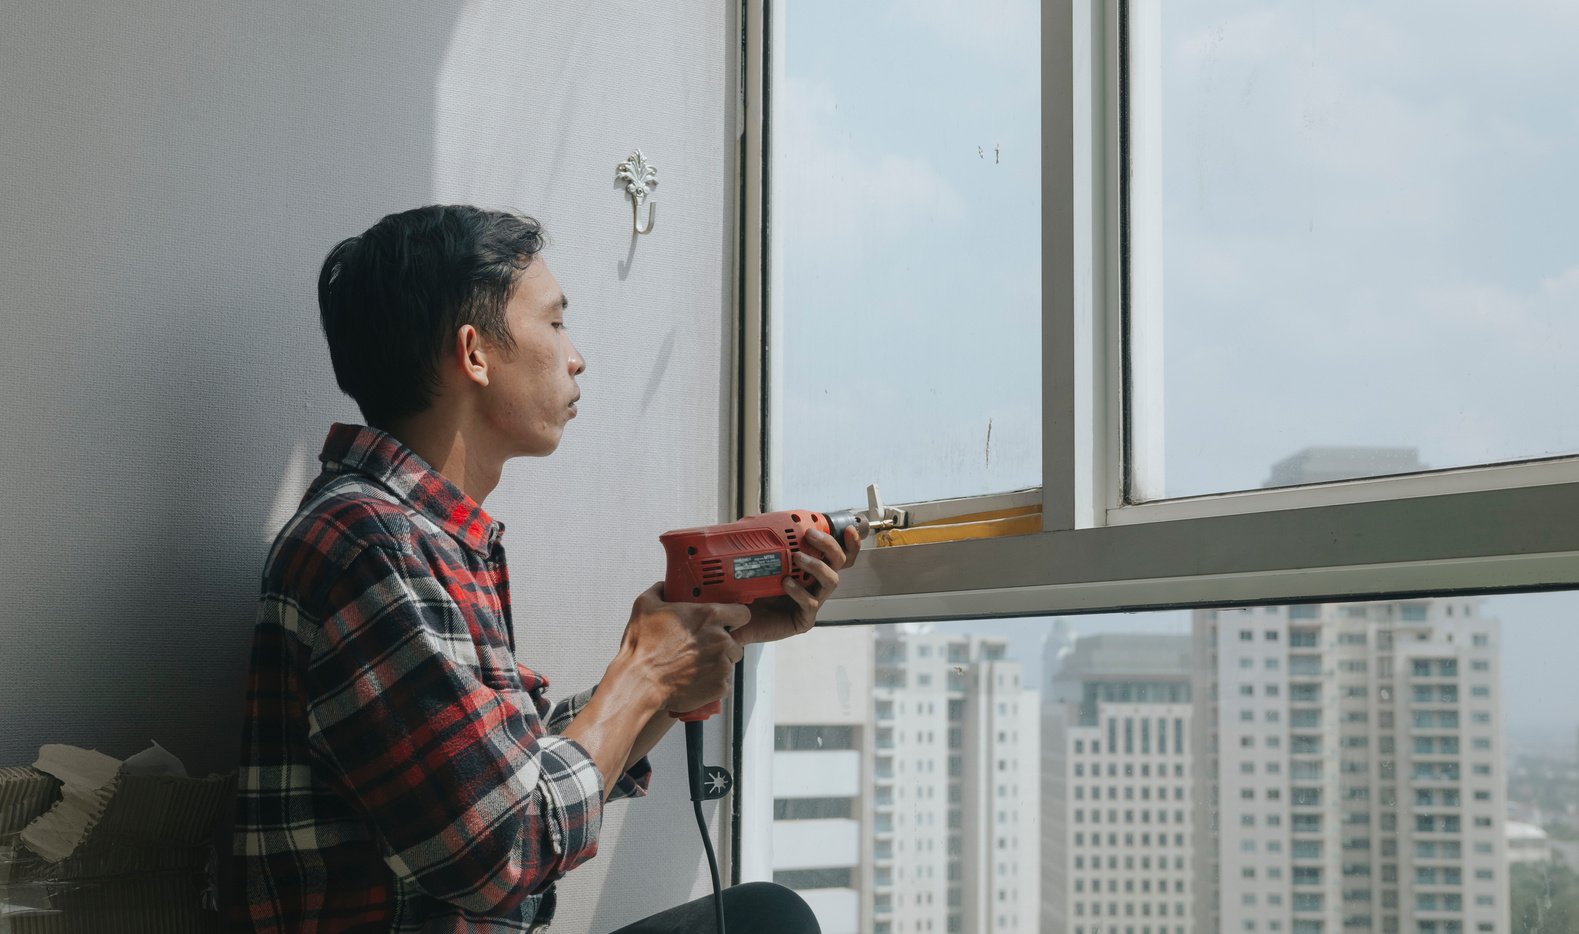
(825, 575)
(852, 546)
(829, 548)
(798, 592)
(650, 597)
(731, 615)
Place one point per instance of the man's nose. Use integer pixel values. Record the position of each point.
(578, 362)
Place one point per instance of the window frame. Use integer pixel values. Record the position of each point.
(1480, 529)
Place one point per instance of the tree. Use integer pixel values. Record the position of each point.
(1545, 899)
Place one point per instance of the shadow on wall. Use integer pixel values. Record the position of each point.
(180, 169)
(177, 170)
(662, 858)
(536, 108)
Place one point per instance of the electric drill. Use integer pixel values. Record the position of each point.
(740, 562)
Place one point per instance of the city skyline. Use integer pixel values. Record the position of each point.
(1539, 705)
(1352, 668)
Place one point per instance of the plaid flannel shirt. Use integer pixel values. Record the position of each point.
(397, 771)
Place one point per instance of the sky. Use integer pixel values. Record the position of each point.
(1365, 241)
(1367, 232)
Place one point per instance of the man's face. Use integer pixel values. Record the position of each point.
(533, 390)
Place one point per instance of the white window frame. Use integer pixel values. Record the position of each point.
(1481, 529)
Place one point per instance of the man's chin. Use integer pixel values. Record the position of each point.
(544, 446)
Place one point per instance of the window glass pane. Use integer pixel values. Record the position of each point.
(1052, 775)
(1366, 262)
(905, 250)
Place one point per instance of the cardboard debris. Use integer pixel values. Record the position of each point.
(24, 794)
(87, 782)
(91, 844)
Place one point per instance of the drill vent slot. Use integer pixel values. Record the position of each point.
(756, 540)
(713, 571)
(794, 544)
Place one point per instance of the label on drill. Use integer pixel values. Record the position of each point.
(769, 565)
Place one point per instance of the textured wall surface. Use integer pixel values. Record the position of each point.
(174, 172)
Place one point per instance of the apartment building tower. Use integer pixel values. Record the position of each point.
(1353, 774)
(1117, 787)
(822, 766)
(955, 847)
(925, 820)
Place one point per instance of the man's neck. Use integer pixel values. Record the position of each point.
(446, 448)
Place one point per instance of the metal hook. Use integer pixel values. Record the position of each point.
(652, 214)
(640, 179)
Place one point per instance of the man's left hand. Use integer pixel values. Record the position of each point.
(795, 612)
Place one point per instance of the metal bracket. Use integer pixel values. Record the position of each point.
(640, 179)
(880, 517)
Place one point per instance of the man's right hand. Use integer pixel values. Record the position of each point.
(685, 648)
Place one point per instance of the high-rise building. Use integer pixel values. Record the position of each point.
(822, 766)
(1327, 464)
(1117, 786)
(1353, 773)
(919, 824)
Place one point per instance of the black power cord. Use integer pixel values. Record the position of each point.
(707, 784)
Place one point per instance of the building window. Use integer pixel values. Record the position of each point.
(794, 738)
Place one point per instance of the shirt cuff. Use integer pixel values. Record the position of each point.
(633, 784)
(567, 710)
(635, 780)
(572, 791)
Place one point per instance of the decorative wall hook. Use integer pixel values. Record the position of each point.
(640, 179)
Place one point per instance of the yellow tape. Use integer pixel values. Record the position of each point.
(997, 523)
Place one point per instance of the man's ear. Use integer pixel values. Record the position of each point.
(470, 355)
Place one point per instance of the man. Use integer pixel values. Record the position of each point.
(402, 770)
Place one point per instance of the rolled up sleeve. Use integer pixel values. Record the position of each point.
(634, 782)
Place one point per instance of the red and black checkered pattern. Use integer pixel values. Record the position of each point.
(401, 772)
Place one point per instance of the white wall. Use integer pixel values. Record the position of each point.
(174, 171)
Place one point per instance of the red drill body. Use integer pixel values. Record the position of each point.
(742, 561)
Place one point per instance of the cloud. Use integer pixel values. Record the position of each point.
(1002, 31)
(907, 274)
(1532, 326)
(1270, 102)
(1366, 226)
(853, 199)
(1468, 370)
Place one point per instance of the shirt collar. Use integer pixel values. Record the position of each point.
(381, 457)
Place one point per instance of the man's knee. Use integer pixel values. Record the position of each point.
(769, 907)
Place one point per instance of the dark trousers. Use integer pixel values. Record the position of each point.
(750, 908)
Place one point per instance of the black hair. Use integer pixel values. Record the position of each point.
(391, 299)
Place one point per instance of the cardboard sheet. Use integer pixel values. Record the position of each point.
(91, 844)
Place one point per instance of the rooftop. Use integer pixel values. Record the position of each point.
(1326, 464)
